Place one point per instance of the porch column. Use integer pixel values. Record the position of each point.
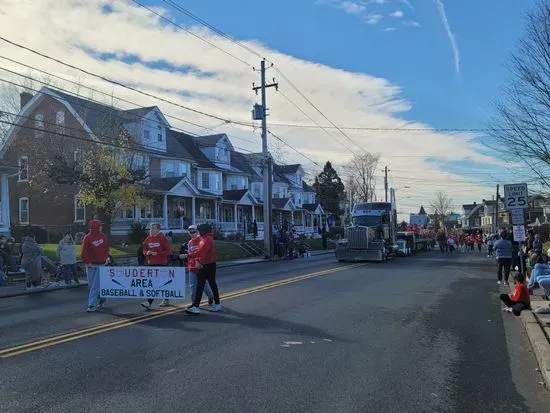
(5, 200)
(253, 213)
(216, 211)
(235, 219)
(193, 210)
(303, 221)
(165, 211)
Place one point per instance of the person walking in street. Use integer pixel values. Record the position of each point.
(95, 253)
(157, 249)
(31, 261)
(66, 254)
(205, 262)
(503, 255)
(188, 253)
(6, 257)
(519, 300)
(490, 243)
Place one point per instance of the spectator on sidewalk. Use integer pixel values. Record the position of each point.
(451, 244)
(95, 253)
(205, 262)
(519, 300)
(188, 253)
(6, 257)
(66, 254)
(503, 255)
(31, 261)
(157, 250)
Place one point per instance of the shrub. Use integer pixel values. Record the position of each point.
(138, 232)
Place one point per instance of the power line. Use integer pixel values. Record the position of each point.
(117, 83)
(101, 92)
(294, 149)
(191, 33)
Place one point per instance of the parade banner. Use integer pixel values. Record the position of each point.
(142, 282)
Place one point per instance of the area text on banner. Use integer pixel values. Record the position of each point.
(142, 282)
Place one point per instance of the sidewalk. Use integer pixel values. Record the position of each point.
(537, 327)
(20, 290)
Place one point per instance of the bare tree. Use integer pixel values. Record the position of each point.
(441, 206)
(278, 152)
(521, 127)
(361, 176)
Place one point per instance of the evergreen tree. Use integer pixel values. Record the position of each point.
(329, 189)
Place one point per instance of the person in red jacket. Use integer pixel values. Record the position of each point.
(95, 252)
(205, 262)
(520, 299)
(189, 252)
(156, 249)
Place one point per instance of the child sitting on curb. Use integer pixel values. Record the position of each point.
(519, 300)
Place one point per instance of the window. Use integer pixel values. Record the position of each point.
(218, 184)
(39, 125)
(222, 154)
(160, 134)
(23, 210)
(205, 180)
(23, 169)
(146, 135)
(281, 192)
(60, 119)
(205, 211)
(79, 210)
(78, 159)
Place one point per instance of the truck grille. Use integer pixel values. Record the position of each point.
(357, 237)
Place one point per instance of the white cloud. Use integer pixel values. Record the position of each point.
(389, 29)
(352, 7)
(215, 83)
(373, 18)
(412, 23)
(407, 3)
(397, 14)
(450, 34)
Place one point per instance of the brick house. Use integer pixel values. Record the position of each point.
(192, 179)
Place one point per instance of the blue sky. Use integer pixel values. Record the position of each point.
(366, 63)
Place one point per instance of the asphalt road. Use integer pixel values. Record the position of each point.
(417, 334)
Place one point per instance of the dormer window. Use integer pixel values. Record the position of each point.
(222, 154)
(160, 133)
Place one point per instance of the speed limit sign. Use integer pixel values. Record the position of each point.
(515, 196)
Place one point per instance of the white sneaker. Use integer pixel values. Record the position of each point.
(146, 305)
(91, 310)
(216, 308)
(193, 310)
(507, 309)
(498, 282)
(164, 303)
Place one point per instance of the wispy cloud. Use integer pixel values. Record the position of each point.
(407, 3)
(450, 34)
(390, 29)
(352, 7)
(412, 23)
(373, 18)
(397, 14)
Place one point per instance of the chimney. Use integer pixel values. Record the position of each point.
(25, 98)
(474, 202)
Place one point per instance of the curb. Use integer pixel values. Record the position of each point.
(47, 290)
(540, 344)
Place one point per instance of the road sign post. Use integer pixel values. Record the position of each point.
(516, 201)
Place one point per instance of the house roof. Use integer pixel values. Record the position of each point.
(174, 146)
(310, 207)
(280, 178)
(234, 194)
(141, 112)
(189, 144)
(280, 203)
(286, 169)
(306, 187)
(163, 184)
(422, 210)
(209, 141)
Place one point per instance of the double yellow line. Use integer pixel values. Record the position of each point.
(115, 325)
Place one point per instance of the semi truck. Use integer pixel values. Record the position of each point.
(372, 234)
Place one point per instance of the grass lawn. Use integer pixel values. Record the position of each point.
(227, 250)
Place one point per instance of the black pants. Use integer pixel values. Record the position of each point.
(150, 300)
(504, 263)
(206, 273)
(516, 306)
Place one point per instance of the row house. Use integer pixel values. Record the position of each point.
(471, 216)
(192, 180)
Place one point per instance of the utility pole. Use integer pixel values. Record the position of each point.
(260, 113)
(386, 182)
(496, 211)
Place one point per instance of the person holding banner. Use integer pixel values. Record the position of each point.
(95, 252)
(189, 253)
(205, 262)
(157, 250)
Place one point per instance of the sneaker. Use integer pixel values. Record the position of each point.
(91, 310)
(146, 305)
(507, 309)
(216, 308)
(164, 303)
(101, 303)
(499, 282)
(193, 310)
